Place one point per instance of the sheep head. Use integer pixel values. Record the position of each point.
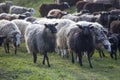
(51, 27)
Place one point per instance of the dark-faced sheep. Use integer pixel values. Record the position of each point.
(40, 39)
(114, 45)
(81, 39)
(101, 39)
(12, 33)
(45, 8)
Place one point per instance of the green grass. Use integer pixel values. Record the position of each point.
(21, 66)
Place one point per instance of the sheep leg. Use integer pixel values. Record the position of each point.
(45, 55)
(73, 61)
(119, 50)
(92, 54)
(15, 50)
(6, 47)
(43, 60)
(67, 53)
(115, 56)
(88, 55)
(100, 54)
(111, 54)
(80, 58)
(115, 53)
(34, 57)
(103, 53)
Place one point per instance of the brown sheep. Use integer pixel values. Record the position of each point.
(115, 27)
(56, 13)
(80, 5)
(10, 17)
(45, 8)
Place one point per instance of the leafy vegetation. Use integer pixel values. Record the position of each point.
(21, 66)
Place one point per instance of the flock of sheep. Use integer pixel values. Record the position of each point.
(58, 31)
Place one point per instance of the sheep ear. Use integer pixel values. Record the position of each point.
(56, 24)
(46, 25)
(80, 26)
(91, 26)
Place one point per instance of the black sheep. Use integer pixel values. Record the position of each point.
(81, 40)
(96, 7)
(114, 45)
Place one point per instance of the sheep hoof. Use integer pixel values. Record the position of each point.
(91, 66)
(48, 65)
(81, 65)
(73, 61)
(43, 62)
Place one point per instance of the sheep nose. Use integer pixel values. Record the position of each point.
(55, 31)
(106, 46)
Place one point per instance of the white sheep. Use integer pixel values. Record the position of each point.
(40, 39)
(22, 25)
(71, 17)
(12, 33)
(61, 37)
(5, 6)
(21, 10)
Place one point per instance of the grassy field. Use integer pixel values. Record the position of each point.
(21, 66)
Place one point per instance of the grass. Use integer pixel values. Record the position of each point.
(21, 66)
